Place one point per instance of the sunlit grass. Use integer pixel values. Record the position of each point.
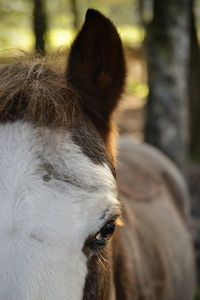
(59, 37)
(142, 90)
(131, 34)
(16, 38)
(137, 88)
(23, 38)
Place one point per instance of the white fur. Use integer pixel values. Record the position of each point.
(44, 224)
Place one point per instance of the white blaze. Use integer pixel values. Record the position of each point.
(51, 198)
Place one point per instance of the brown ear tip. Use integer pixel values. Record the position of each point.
(93, 14)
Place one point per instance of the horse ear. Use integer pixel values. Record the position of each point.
(96, 67)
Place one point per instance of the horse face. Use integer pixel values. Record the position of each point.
(54, 201)
(57, 188)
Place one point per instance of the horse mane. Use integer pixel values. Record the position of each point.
(35, 91)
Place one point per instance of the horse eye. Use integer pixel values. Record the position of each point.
(101, 239)
(106, 232)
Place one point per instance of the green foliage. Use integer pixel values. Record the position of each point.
(16, 21)
(195, 157)
(15, 24)
(197, 295)
(121, 12)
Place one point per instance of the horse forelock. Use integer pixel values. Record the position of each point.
(35, 91)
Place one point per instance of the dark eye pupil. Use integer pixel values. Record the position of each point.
(100, 240)
(108, 229)
(105, 233)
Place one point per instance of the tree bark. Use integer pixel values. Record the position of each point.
(194, 90)
(168, 50)
(141, 11)
(39, 25)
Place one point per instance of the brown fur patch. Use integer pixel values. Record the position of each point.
(96, 68)
(87, 137)
(152, 252)
(98, 280)
(34, 91)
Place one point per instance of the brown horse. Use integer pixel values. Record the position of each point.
(58, 193)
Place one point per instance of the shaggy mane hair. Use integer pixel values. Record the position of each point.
(36, 92)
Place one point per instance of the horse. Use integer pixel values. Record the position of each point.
(63, 194)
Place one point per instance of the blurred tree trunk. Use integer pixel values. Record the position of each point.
(141, 11)
(194, 90)
(39, 25)
(75, 14)
(168, 50)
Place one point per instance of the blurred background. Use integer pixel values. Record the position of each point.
(161, 103)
